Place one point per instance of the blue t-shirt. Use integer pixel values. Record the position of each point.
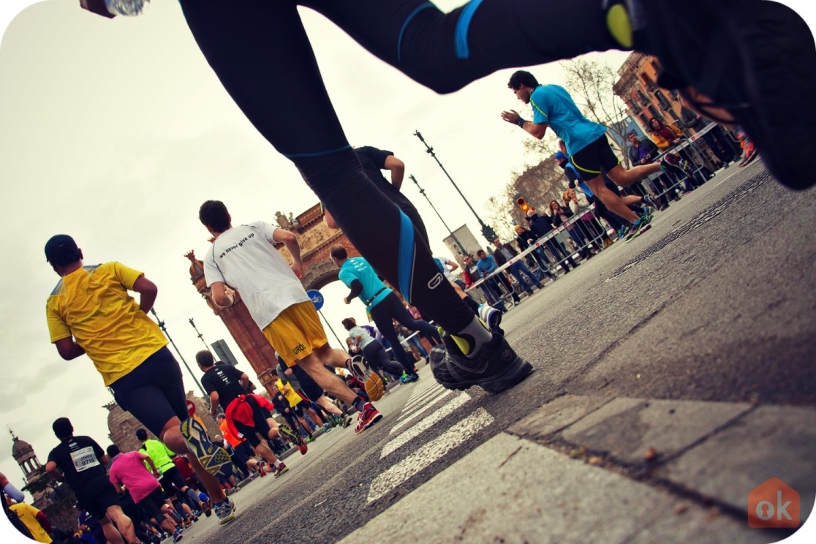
(553, 105)
(357, 268)
(487, 265)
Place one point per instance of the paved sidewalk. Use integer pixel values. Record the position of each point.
(602, 469)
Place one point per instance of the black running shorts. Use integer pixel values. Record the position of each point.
(595, 159)
(153, 392)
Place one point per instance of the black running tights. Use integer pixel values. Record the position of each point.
(260, 52)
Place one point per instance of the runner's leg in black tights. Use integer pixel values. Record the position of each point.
(261, 54)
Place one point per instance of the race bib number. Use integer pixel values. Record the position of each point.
(84, 459)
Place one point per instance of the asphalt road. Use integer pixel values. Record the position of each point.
(717, 302)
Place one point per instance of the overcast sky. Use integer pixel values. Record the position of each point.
(115, 131)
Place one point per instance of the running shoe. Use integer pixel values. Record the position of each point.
(327, 427)
(212, 457)
(368, 417)
(491, 317)
(294, 438)
(754, 59)
(494, 370)
(280, 469)
(177, 536)
(623, 232)
(309, 439)
(639, 227)
(650, 201)
(225, 511)
(408, 378)
(346, 421)
(205, 508)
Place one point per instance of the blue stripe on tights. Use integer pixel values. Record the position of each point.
(317, 154)
(462, 25)
(405, 25)
(405, 259)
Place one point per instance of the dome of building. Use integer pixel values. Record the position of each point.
(21, 448)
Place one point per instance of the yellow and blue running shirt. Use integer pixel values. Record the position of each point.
(552, 104)
(92, 304)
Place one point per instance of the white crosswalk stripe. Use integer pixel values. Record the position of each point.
(425, 424)
(427, 454)
(411, 417)
(419, 394)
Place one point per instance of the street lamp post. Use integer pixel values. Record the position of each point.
(200, 336)
(422, 192)
(487, 231)
(164, 330)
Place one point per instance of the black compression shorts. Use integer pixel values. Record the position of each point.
(595, 159)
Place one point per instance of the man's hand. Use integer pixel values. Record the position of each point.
(297, 268)
(511, 116)
(346, 300)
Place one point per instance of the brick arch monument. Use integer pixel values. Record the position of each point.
(316, 240)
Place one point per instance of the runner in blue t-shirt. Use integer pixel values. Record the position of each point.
(381, 303)
(586, 142)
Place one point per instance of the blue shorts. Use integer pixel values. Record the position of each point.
(153, 392)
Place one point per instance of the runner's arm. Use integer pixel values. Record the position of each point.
(291, 242)
(536, 130)
(147, 293)
(220, 295)
(145, 457)
(44, 522)
(397, 169)
(52, 469)
(68, 348)
(213, 403)
(356, 289)
(453, 265)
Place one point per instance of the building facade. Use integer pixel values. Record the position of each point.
(638, 89)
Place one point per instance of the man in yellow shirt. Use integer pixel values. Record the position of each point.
(36, 522)
(90, 312)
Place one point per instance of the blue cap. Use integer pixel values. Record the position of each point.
(560, 155)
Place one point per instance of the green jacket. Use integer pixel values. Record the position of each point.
(162, 456)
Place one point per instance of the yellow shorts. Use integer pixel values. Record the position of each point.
(296, 332)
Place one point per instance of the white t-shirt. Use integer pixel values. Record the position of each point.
(365, 338)
(447, 271)
(243, 257)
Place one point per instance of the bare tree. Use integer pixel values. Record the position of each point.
(500, 212)
(590, 83)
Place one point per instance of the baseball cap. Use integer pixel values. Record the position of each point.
(560, 155)
(61, 250)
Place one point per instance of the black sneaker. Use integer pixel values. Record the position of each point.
(754, 58)
(492, 370)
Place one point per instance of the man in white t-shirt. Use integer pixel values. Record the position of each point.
(244, 259)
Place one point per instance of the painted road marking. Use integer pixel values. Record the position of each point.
(424, 425)
(419, 395)
(427, 454)
(409, 418)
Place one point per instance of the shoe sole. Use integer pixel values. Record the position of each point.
(213, 458)
(514, 374)
(369, 423)
(279, 473)
(773, 49)
(638, 232)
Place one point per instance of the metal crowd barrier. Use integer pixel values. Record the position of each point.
(587, 231)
